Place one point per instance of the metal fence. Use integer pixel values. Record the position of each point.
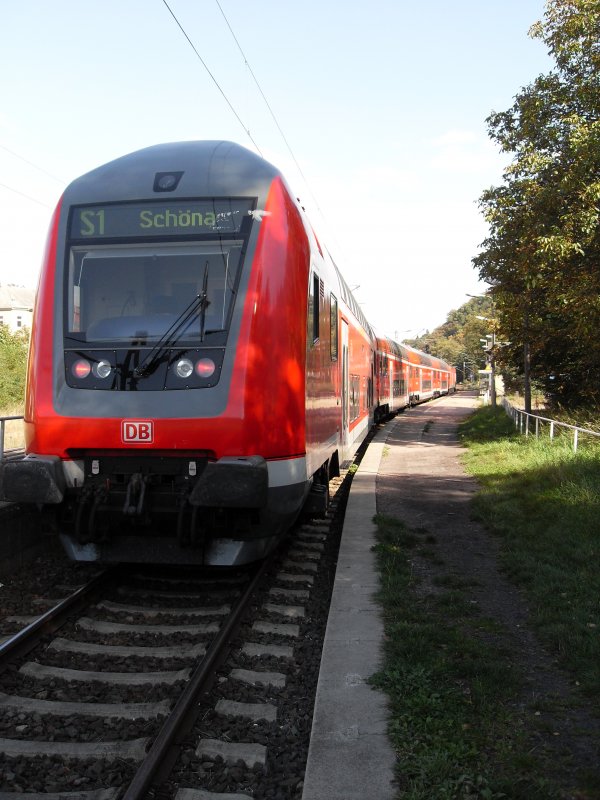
(4, 453)
(532, 423)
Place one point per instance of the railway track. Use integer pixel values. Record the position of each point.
(152, 684)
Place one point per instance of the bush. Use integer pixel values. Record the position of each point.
(13, 365)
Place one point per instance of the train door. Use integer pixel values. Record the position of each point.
(345, 386)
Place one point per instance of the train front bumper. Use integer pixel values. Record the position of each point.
(34, 479)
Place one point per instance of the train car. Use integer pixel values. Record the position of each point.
(198, 368)
(407, 376)
(392, 369)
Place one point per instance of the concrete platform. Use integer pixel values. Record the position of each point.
(350, 757)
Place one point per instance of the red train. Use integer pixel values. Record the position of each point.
(199, 368)
(406, 376)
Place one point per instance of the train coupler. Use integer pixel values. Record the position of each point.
(135, 496)
(90, 502)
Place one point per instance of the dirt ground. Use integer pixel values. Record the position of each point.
(421, 481)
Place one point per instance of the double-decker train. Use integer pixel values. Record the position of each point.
(198, 367)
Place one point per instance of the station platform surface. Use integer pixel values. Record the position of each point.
(412, 471)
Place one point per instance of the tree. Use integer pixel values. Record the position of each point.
(541, 257)
(458, 340)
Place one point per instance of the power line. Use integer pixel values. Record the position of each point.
(31, 164)
(258, 86)
(237, 116)
(29, 197)
(261, 92)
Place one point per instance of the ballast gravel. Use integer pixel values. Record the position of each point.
(273, 664)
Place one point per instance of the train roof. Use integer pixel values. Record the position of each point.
(207, 168)
(411, 354)
(351, 301)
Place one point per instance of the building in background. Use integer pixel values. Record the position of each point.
(16, 306)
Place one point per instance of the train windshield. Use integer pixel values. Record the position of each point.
(135, 293)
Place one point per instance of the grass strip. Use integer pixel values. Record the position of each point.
(449, 687)
(544, 501)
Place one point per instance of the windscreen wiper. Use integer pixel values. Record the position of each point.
(199, 303)
(204, 305)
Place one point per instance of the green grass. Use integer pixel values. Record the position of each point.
(544, 501)
(452, 725)
(457, 720)
(14, 436)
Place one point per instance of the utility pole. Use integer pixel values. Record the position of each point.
(527, 367)
(490, 350)
(493, 372)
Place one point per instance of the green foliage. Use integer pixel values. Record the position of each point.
(488, 425)
(458, 340)
(13, 366)
(542, 253)
(544, 500)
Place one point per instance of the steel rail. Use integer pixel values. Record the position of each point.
(27, 638)
(144, 777)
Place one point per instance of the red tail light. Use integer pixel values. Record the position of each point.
(205, 367)
(81, 369)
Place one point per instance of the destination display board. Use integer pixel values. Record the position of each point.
(133, 220)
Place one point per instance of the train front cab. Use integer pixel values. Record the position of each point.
(125, 421)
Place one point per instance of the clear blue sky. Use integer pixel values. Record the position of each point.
(383, 105)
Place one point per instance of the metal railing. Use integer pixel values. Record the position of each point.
(522, 420)
(3, 421)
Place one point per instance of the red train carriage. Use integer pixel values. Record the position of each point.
(406, 376)
(198, 368)
(357, 388)
(392, 371)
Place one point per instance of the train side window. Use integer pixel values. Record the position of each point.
(333, 322)
(316, 304)
(313, 311)
(354, 397)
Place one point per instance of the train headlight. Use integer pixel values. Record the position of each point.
(81, 369)
(184, 368)
(205, 367)
(102, 369)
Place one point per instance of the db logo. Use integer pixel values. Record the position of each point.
(137, 430)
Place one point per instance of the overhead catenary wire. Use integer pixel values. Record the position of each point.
(35, 166)
(279, 128)
(28, 196)
(268, 105)
(214, 80)
(31, 164)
